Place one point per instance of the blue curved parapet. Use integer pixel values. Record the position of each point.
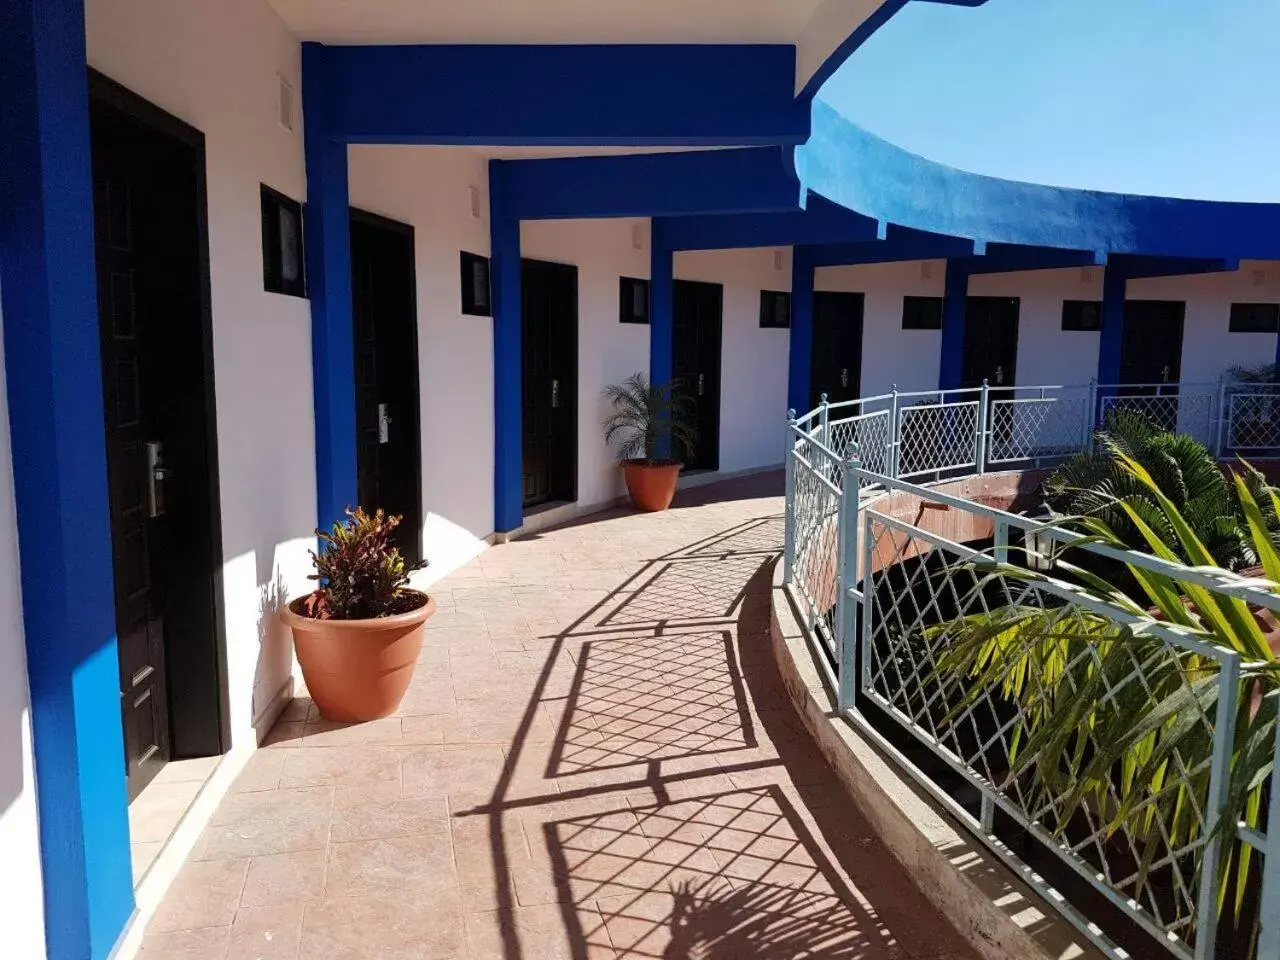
(856, 169)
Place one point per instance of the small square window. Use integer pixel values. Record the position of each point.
(1082, 315)
(633, 300)
(1255, 317)
(475, 285)
(283, 270)
(775, 309)
(921, 313)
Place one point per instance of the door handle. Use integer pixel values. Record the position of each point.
(384, 424)
(1164, 374)
(702, 384)
(157, 474)
(555, 394)
(844, 377)
(999, 376)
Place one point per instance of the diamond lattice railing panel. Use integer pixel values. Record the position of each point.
(871, 434)
(817, 535)
(918, 602)
(1030, 429)
(1255, 422)
(1187, 413)
(937, 437)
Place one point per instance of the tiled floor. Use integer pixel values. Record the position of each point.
(596, 760)
(156, 812)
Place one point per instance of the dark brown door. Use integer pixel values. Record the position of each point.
(160, 439)
(990, 341)
(549, 348)
(1151, 348)
(696, 364)
(388, 439)
(836, 369)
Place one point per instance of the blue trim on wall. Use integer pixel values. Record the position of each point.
(1009, 258)
(751, 180)
(328, 246)
(800, 348)
(53, 366)
(1115, 283)
(821, 222)
(566, 94)
(508, 410)
(858, 170)
(899, 244)
(955, 300)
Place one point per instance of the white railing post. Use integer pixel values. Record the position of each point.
(1269, 903)
(789, 523)
(983, 439)
(1216, 801)
(847, 573)
(1223, 417)
(895, 433)
(825, 421)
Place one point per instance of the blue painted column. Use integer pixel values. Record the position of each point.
(328, 241)
(508, 410)
(1115, 283)
(53, 369)
(661, 305)
(954, 304)
(800, 350)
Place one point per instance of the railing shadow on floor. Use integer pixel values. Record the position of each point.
(725, 874)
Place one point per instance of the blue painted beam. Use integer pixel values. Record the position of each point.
(800, 349)
(820, 222)
(751, 180)
(1145, 267)
(1012, 258)
(1115, 283)
(899, 246)
(862, 172)
(564, 94)
(955, 302)
(328, 250)
(508, 377)
(54, 384)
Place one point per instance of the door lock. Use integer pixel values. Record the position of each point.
(844, 377)
(384, 424)
(702, 384)
(555, 394)
(157, 474)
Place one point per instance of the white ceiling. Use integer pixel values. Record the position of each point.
(548, 21)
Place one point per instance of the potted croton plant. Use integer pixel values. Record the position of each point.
(649, 427)
(359, 633)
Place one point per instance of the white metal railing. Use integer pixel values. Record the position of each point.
(876, 593)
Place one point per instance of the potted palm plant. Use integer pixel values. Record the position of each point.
(359, 633)
(649, 427)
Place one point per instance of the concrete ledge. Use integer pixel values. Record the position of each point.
(984, 900)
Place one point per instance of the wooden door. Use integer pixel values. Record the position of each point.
(696, 364)
(1151, 347)
(836, 367)
(388, 437)
(990, 342)
(549, 367)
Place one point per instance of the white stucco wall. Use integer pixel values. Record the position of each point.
(216, 66)
(430, 189)
(21, 898)
(608, 351)
(891, 355)
(753, 361)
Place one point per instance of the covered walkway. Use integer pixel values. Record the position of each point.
(596, 759)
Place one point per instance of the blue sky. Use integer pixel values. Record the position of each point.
(1169, 97)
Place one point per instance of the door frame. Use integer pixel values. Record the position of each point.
(862, 329)
(406, 230)
(576, 368)
(1182, 338)
(105, 92)
(718, 287)
(1016, 303)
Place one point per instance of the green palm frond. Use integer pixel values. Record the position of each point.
(646, 417)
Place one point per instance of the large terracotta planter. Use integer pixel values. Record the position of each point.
(358, 669)
(651, 485)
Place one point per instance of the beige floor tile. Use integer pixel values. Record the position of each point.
(417, 925)
(207, 944)
(366, 868)
(266, 933)
(202, 895)
(284, 878)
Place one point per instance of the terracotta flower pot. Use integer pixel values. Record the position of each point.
(358, 669)
(651, 485)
